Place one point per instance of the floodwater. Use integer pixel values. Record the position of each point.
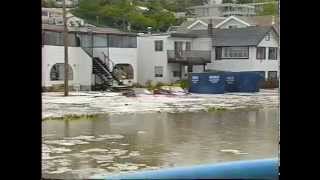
(132, 142)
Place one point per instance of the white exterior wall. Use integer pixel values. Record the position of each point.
(251, 64)
(203, 44)
(148, 58)
(80, 62)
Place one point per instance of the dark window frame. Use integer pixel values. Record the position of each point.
(176, 73)
(218, 53)
(269, 72)
(155, 72)
(188, 46)
(276, 53)
(264, 55)
(158, 45)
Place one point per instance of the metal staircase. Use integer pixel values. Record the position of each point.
(104, 70)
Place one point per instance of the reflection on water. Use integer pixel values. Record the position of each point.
(145, 141)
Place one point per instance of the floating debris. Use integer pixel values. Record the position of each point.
(47, 157)
(134, 153)
(141, 132)
(60, 170)
(80, 155)
(126, 167)
(65, 142)
(97, 139)
(108, 161)
(95, 150)
(118, 152)
(60, 150)
(234, 151)
(112, 136)
(81, 138)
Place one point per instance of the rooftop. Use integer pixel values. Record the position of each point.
(95, 30)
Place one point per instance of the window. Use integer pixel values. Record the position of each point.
(122, 41)
(53, 38)
(158, 71)
(57, 72)
(44, 13)
(176, 73)
(218, 53)
(272, 53)
(188, 46)
(232, 52)
(190, 68)
(272, 75)
(267, 38)
(100, 40)
(158, 45)
(261, 53)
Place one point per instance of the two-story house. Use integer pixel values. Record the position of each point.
(229, 44)
(96, 56)
(169, 57)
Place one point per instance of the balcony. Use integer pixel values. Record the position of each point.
(195, 57)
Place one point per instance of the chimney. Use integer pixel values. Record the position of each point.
(210, 27)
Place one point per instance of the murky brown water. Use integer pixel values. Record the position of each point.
(118, 143)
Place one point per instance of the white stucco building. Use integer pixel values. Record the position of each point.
(95, 56)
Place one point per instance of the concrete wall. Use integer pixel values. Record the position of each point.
(79, 61)
(251, 64)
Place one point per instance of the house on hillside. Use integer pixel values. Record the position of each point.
(54, 16)
(98, 57)
(254, 49)
(226, 22)
(227, 44)
(222, 10)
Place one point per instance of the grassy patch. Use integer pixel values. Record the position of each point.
(214, 109)
(74, 117)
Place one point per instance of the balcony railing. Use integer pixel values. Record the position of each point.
(189, 57)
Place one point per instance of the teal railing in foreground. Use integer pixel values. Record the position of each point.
(253, 169)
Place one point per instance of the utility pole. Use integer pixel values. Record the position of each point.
(65, 42)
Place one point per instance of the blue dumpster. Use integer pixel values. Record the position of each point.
(249, 81)
(207, 83)
(231, 82)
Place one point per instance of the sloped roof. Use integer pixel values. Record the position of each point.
(184, 26)
(260, 20)
(95, 30)
(250, 36)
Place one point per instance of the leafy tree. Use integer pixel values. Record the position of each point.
(48, 3)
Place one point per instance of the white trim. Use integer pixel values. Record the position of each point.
(230, 18)
(196, 22)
